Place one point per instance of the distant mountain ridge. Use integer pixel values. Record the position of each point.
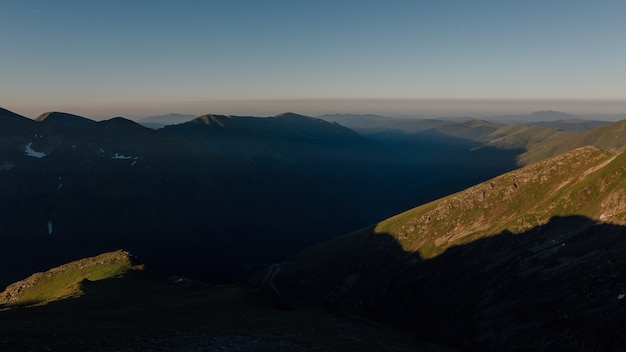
(577, 125)
(539, 142)
(248, 136)
(369, 124)
(159, 121)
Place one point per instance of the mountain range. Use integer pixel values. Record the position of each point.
(370, 124)
(515, 244)
(159, 121)
(214, 197)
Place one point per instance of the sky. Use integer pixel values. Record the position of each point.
(136, 58)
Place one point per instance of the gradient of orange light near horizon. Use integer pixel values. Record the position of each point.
(395, 58)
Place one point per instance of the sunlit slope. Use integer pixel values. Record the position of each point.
(586, 181)
(539, 142)
(501, 135)
(62, 118)
(66, 280)
(529, 259)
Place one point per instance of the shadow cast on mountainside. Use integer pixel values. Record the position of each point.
(188, 212)
(557, 286)
(138, 312)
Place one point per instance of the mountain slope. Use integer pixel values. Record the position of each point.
(215, 201)
(10, 115)
(71, 191)
(571, 125)
(283, 137)
(607, 137)
(158, 121)
(14, 130)
(65, 281)
(539, 142)
(535, 141)
(111, 303)
(62, 118)
(586, 182)
(528, 260)
(369, 124)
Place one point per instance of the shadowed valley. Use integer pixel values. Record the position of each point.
(216, 197)
(489, 256)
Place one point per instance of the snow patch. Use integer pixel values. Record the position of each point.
(29, 151)
(59, 186)
(134, 162)
(621, 296)
(49, 227)
(124, 157)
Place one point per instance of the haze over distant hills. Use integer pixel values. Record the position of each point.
(373, 123)
(159, 121)
(368, 124)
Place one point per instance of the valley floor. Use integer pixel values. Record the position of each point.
(132, 315)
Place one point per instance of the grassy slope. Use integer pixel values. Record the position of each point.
(586, 182)
(540, 142)
(66, 281)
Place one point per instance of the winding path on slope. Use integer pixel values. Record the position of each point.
(269, 278)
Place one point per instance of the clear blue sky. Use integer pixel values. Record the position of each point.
(141, 57)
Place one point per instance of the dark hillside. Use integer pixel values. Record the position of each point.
(559, 286)
(215, 198)
(112, 302)
(63, 119)
(9, 115)
(532, 259)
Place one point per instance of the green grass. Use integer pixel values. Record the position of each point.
(65, 281)
(538, 141)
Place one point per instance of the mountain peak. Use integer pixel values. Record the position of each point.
(167, 119)
(550, 115)
(210, 119)
(119, 119)
(63, 119)
(120, 122)
(291, 115)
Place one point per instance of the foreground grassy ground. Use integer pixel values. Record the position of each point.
(136, 312)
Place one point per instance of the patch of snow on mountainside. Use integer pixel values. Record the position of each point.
(29, 151)
(124, 157)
